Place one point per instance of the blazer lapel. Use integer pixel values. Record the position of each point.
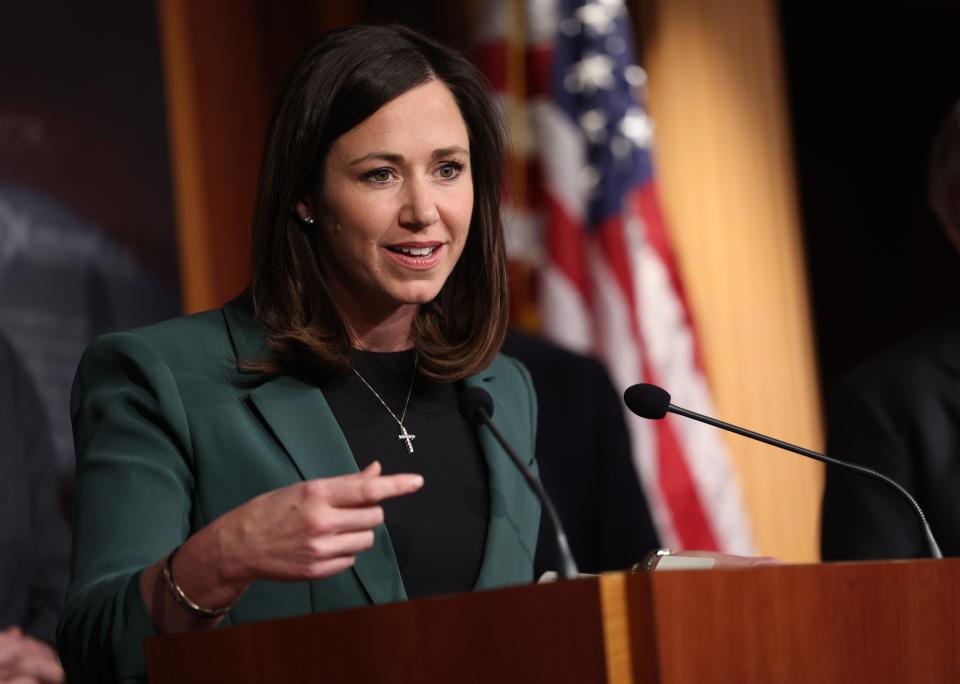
(508, 494)
(298, 415)
(302, 422)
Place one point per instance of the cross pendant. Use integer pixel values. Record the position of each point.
(406, 436)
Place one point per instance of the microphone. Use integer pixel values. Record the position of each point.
(476, 405)
(650, 401)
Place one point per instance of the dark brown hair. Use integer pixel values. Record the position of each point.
(339, 82)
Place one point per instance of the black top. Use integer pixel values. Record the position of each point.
(438, 533)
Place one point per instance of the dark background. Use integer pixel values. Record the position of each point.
(869, 83)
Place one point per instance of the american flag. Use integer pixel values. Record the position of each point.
(589, 248)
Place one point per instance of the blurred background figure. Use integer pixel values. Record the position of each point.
(87, 245)
(33, 542)
(583, 450)
(900, 414)
(87, 237)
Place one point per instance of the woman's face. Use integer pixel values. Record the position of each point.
(396, 203)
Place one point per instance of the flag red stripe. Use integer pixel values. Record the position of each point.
(491, 59)
(675, 479)
(680, 494)
(689, 518)
(539, 69)
(566, 247)
(614, 248)
(646, 203)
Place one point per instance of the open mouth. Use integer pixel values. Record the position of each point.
(422, 257)
(416, 252)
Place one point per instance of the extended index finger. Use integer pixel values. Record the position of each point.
(355, 491)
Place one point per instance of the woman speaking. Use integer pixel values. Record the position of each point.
(300, 449)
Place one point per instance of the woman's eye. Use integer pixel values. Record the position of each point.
(450, 170)
(379, 175)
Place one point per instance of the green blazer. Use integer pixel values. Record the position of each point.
(170, 434)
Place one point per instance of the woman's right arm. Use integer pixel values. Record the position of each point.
(134, 497)
(306, 531)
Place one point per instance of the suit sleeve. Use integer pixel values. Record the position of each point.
(863, 519)
(133, 501)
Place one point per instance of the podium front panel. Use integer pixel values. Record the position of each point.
(895, 621)
(546, 633)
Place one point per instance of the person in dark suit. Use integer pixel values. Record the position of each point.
(33, 539)
(258, 461)
(899, 413)
(583, 450)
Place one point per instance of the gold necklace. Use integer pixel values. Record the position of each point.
(404, 435)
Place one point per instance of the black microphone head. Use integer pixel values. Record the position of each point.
(473, 400)
(647, 401)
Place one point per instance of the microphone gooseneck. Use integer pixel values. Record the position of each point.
(476, 405)
(650, 401)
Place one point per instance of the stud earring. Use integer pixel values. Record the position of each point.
(309, 220)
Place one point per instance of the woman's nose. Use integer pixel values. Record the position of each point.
(419, 209)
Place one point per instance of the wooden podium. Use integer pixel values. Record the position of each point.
(845, 622)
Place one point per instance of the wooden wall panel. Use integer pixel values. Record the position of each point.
(217, 117)
(224, 61)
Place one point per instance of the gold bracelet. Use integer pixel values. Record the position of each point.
(183, 599)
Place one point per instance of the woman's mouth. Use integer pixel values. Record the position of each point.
(419, 257)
